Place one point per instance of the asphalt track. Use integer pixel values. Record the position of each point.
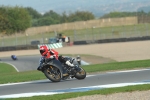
(92, 80)
(25, 63)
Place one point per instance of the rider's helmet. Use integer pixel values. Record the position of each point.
(43, 50)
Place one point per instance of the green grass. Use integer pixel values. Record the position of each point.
(21, 77)
(5, 68)
(118, 66)
(10, 75)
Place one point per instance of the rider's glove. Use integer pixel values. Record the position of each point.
(51, 57)
(72, 59)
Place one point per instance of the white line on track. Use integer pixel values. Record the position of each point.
(23, 82)
(87, 76)
(126, 71)
(79, 89)
(11, 65)
(52, 92)
(32, 81)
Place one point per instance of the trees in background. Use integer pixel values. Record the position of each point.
(14, 19)
(51, 18)
(18, 19)
(33, 13)
(48, 18)
(80, 16)
(143, 17)
(125, 14)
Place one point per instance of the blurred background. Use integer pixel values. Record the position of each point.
(99, 20)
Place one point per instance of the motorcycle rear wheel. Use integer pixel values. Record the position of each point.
(53, 73)
(81, 74)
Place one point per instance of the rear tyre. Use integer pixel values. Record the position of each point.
(53, 73)
(81, 74)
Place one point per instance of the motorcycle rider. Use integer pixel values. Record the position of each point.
(51, 53)
(14, 57)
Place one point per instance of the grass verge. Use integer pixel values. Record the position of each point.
(10, 75)
(117, 66)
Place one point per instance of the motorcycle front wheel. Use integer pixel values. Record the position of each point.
(53, 73)
(81, 74)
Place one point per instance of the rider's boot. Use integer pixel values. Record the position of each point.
(69, 64)
(76, 67)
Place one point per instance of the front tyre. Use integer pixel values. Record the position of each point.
(81, 74)
(52, 73)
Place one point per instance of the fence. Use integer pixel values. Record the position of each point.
(50, 46)
(84, 30)
(84, 24)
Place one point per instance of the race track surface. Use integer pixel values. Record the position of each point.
(64, 86)
(125, 51)
(24, 63)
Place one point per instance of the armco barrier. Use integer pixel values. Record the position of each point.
(113, 40)
(27, 47)
(19, 47)
(52, 46)
(59, 45)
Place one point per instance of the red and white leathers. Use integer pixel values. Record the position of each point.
(51, 53)
(48, 53)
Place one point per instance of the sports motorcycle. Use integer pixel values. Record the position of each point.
(56, 71)
(14, 57)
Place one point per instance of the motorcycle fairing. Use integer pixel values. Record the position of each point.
(57, 64)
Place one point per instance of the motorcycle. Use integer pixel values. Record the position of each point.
(14, 57)
(56, 71)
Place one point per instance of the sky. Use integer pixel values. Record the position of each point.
(64, 5)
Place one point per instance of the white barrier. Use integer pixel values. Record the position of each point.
(52, 46)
